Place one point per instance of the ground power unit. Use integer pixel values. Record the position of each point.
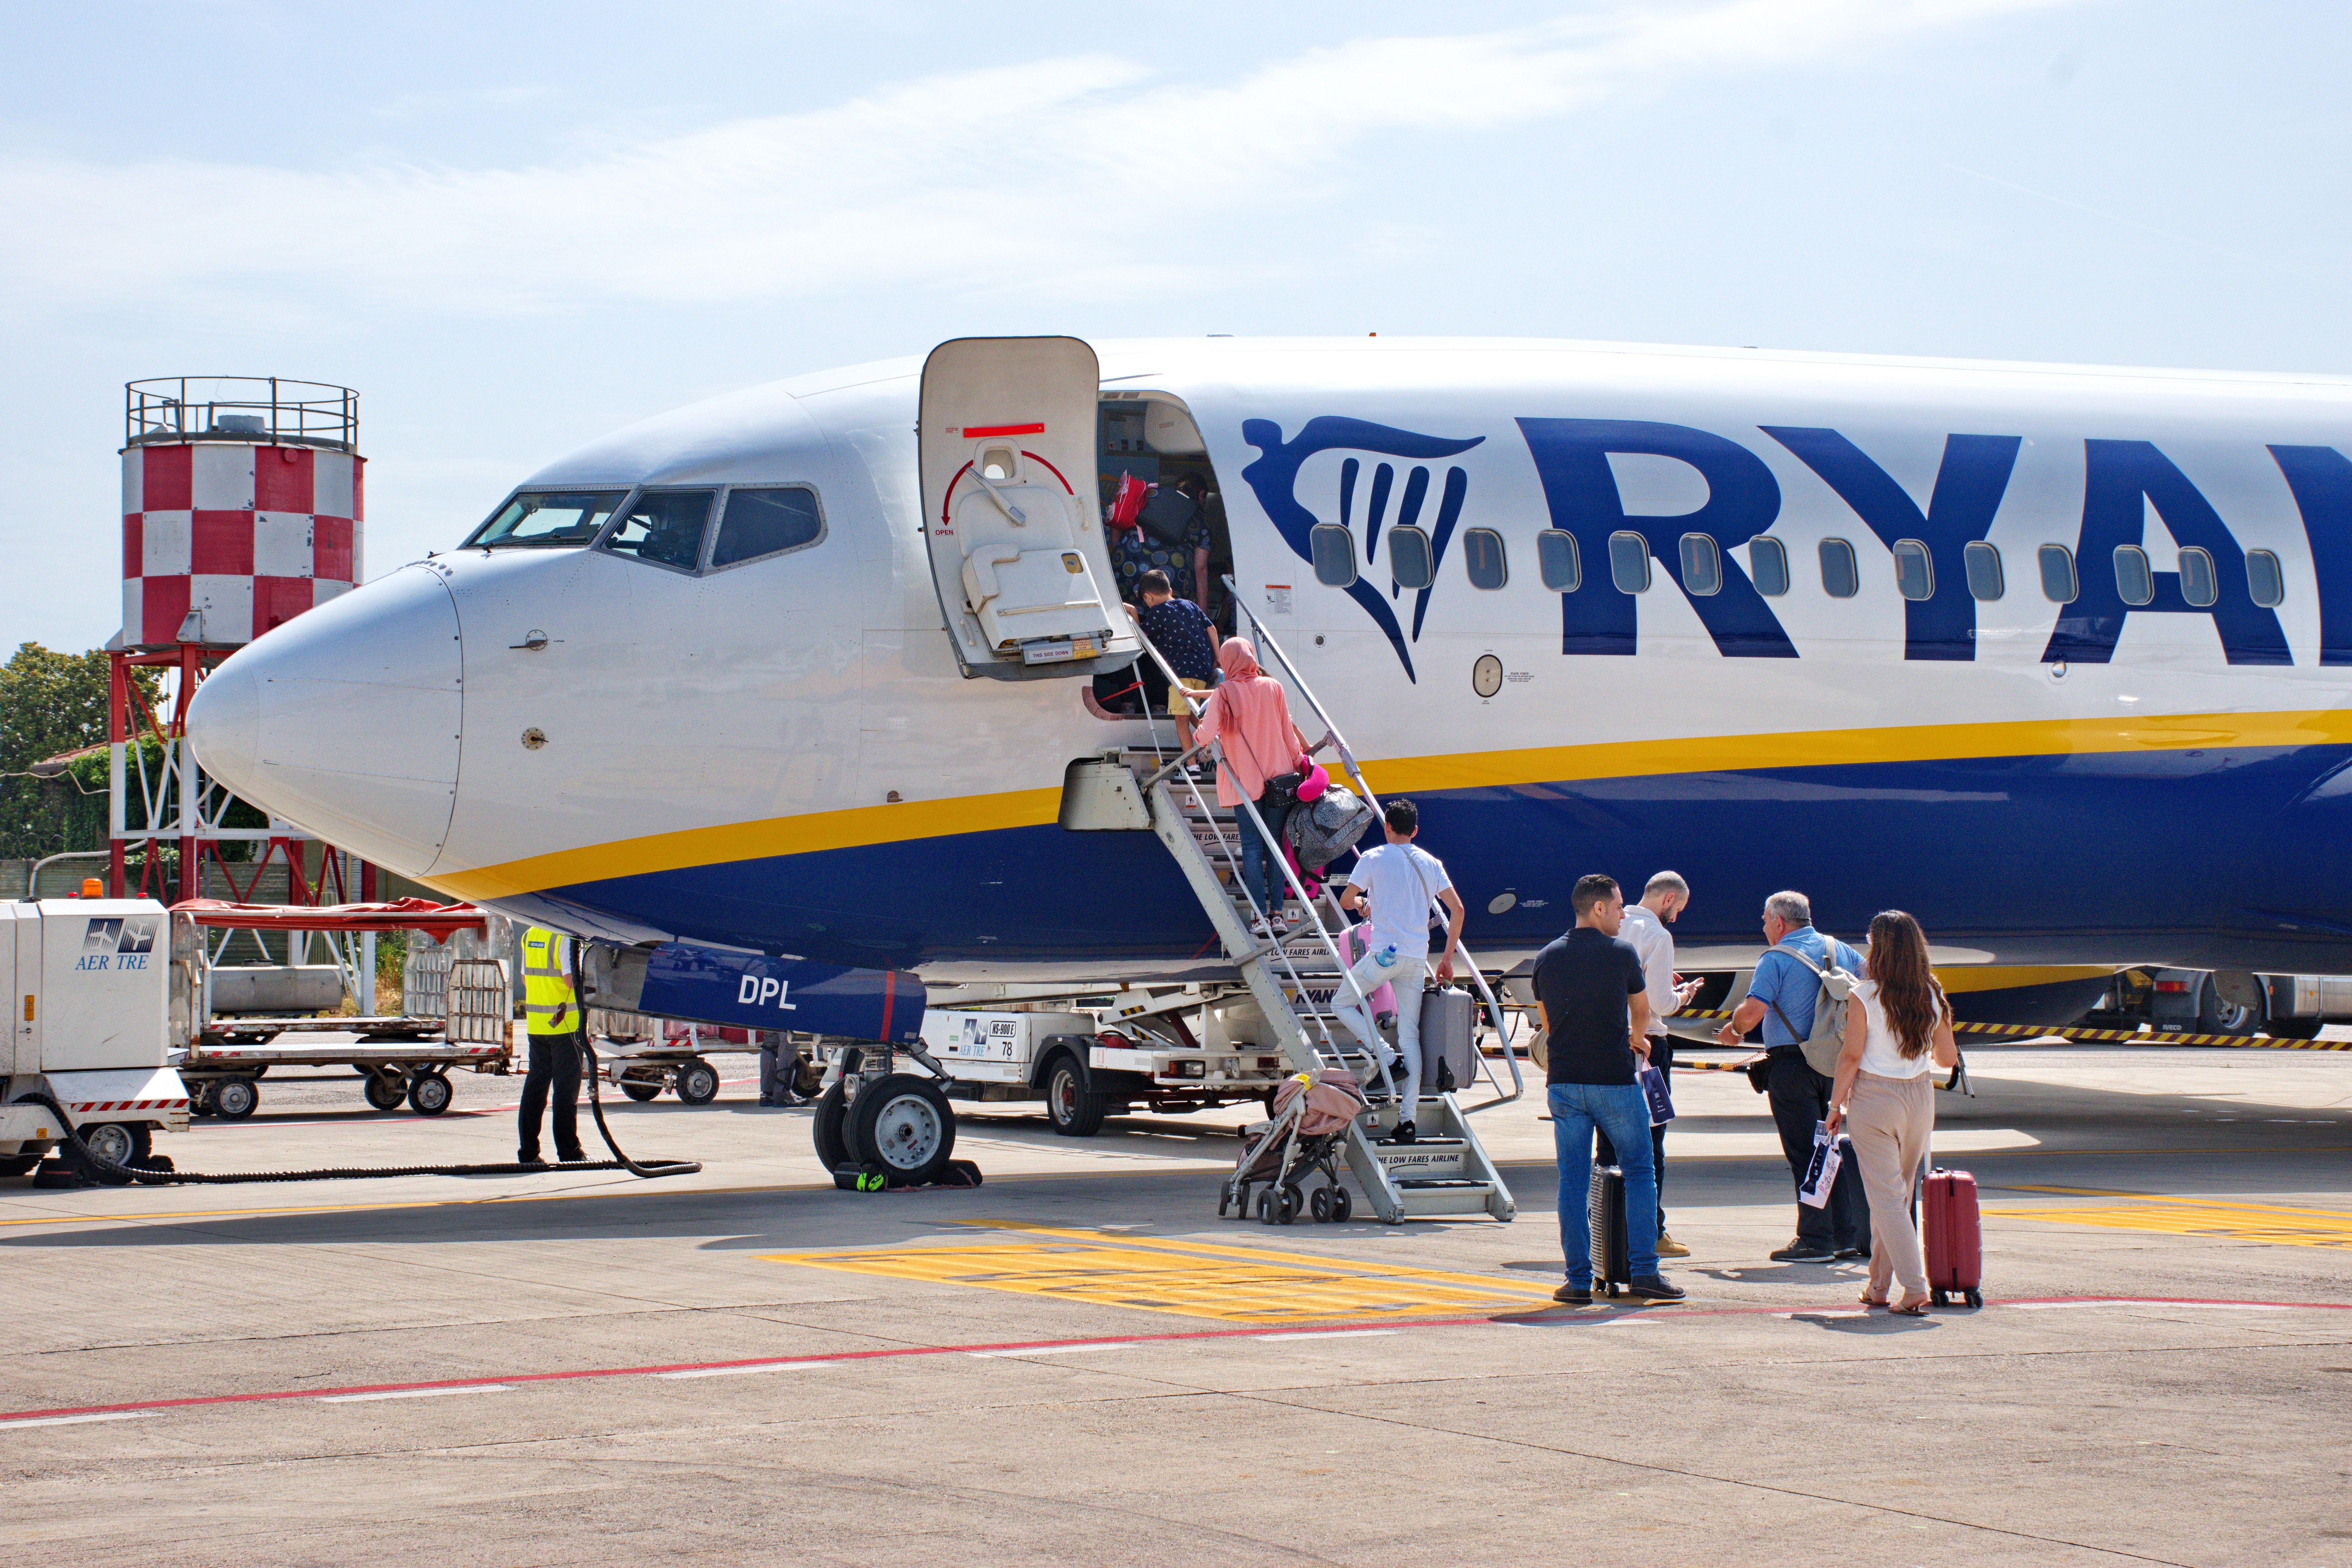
(90, 986)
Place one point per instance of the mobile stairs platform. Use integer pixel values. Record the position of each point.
(1296, 979)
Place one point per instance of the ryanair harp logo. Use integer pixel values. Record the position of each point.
(1415, 548)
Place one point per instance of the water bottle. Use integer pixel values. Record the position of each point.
(1386, 957)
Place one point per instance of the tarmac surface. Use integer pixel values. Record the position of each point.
(1079, 1363)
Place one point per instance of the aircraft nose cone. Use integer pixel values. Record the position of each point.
(344, 721)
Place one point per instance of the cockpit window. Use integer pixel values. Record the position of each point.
(664, 527)
(547, 518)
(765, 522)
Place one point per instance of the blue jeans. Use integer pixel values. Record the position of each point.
(1262, 868)
(1619, 1111)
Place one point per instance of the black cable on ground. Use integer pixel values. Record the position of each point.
(644, 1170)
(104, 1167)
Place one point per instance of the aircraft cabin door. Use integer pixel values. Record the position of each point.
(1007, 450)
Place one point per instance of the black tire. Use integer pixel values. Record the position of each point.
(1265, 1207)
(18, 1164)
(639, 1092)
(697, 1082)
(385, 1091)
(1075, 1108)
(827, 1127)
(904, 1124)
(1286, 1211)
(2294, 1028)
(234, 1099)
(119, 1143)
(1342, 1205)
(429, 1094)
(1318, 1205)
(2217, 1016)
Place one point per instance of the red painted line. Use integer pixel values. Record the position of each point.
(1013, 1346)
(982, 432)
(1049, 468)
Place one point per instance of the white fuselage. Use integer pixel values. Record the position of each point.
(786, 755)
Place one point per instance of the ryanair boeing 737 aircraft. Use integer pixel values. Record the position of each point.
(2054, 657)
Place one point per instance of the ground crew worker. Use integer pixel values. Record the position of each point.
(552, 1016)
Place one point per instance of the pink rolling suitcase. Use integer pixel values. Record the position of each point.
(1953, 1235)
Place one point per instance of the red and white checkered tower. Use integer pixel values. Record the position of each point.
(242, 506)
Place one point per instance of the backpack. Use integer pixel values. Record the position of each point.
(1827, 1042)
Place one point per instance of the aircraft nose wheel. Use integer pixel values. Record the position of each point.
(904, 1124)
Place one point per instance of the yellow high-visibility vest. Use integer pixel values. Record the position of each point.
(548, 1007)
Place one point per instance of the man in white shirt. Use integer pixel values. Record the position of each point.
(1399, 879)
(1644, 927)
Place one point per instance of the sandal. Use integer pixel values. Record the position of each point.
(1867, 1299)
(1913, 1308)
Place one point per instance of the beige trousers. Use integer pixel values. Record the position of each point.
(1889, 1119)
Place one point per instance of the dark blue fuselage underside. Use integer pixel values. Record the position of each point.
(2219, 859)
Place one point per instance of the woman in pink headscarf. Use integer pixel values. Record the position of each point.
(1250, 714)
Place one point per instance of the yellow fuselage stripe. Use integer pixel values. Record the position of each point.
(859, 826)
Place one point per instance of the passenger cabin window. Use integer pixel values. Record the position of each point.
(1482, 556)
(2058, 583)
(1915, 570)
(2134, 583)
(1409, 559)
(1983, 564)
(1334, 549)
(1841, 574)
(2198, 584)
(547, 519)
(1557, 561)
(664, 527)
(1629, 562)
(1702, 565)
(1767, 566)
(765, 522)
(2265, 579)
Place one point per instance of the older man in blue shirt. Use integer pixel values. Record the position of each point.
(1781, 997)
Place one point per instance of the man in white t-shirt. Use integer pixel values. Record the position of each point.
(1645, 928)
(1399, 879)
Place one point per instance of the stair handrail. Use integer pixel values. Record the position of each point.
(1265, 640)
(1278, 941)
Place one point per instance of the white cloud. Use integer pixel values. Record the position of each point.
(991, 180)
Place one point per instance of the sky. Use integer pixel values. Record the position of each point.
(515, 227)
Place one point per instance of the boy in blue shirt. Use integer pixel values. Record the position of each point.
(1185, 638)
(1781, 997)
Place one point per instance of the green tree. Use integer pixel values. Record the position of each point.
(51, 703)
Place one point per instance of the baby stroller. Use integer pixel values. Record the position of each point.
(1311, 1118)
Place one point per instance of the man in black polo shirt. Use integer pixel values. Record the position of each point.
(1591, 996)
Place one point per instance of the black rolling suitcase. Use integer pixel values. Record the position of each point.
(1604, 1215)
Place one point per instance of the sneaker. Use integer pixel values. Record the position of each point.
(1404, 1133)
(1669, 1248)
(1653, 1287)
(1850, 1254)
(1573, 1295)
(1804, 1251)
(573, 1158)
(531, 1160)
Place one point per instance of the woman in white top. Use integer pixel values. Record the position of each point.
(1897, 1023)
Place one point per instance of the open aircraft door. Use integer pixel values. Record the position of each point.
(1007, 448)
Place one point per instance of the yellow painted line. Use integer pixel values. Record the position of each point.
(1524, 769)
(2274, 1224)
(1194, 1279)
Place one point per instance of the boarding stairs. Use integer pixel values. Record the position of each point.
(1298, 978)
